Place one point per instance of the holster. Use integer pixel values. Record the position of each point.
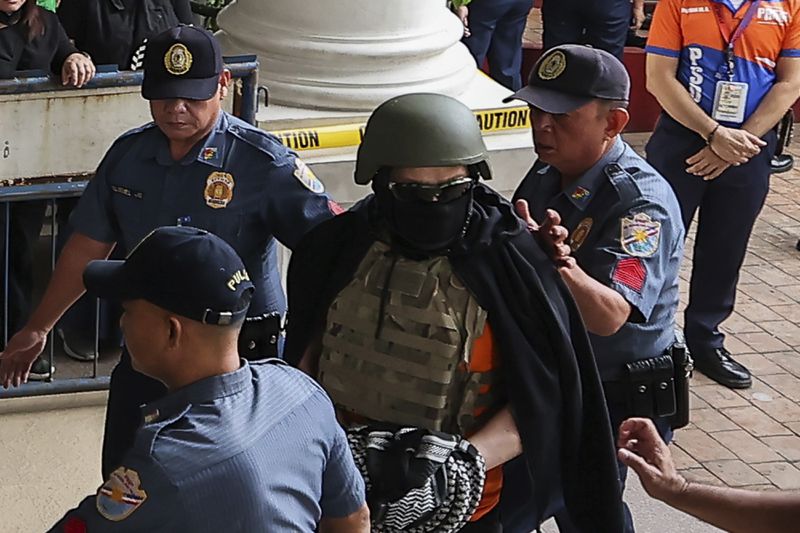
(258, 338)
(684, 365)
(651, 387)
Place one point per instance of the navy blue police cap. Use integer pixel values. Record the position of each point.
(182, 62)
(572, 75)
(184, 270)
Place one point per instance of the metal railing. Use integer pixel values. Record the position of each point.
(244, 69)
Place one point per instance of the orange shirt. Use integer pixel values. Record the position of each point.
(484, 358)
(696, 32)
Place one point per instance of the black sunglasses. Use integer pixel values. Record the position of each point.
(445, 192)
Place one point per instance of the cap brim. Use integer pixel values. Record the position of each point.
(548, 100)
(187, 88)
(108, 279)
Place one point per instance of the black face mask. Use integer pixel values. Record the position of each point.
(424, 227)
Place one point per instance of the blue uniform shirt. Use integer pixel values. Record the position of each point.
(258, 449)
(240, 183)
(626, 232)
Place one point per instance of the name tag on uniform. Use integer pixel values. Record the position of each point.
(730, 100)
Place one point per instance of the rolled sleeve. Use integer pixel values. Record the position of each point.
(343, 490)
(633, 256)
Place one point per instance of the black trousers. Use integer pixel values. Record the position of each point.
(489, 523)
(496, 28)
(602, 24)
(729, 206)
(24, 227)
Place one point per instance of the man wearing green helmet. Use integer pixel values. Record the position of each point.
(453, 351)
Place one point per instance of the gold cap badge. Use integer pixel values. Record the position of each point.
(552, 66)
(178, 59)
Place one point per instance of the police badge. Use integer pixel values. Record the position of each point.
(640, 235)
(580, 233)
(219, 190)
(178, 59)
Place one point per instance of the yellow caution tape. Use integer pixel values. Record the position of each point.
(346, 135)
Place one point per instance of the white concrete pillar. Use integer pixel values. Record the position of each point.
(349, 54)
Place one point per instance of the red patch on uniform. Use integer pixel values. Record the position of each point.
(335, 208)
(74, 525)
(631, 273)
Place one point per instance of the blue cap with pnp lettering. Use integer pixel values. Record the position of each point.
(184, 270)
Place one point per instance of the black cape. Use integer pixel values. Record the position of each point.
(553, 385)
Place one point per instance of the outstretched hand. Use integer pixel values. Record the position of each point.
(641, 448)
(552, 236)
(20, 353)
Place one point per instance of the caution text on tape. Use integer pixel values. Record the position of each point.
(346, 135)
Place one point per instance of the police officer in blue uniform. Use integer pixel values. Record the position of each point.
(495, 32)
(195, 165)
(602, 24)
(621, 250)
(234, 445)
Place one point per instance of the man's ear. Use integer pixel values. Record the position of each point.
(616, 120)
(224, 83)
(175, 333)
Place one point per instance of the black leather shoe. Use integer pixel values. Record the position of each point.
(781, 163)
(717, 364)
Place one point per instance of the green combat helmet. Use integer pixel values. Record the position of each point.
(421, 130)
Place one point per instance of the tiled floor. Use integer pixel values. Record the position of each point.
(751, 438)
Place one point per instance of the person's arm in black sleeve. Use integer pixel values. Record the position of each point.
(73, 15)
(183, 11)
(64, 47)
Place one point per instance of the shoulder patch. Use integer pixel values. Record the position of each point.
(307, 177)
(121, 495)
(640, 235)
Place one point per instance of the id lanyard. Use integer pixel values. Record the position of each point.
(737, 33)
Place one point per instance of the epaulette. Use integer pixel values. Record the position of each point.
(260, 140)
(154, 423)
(623, 182)
(132, 132)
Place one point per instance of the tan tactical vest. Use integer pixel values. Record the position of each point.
(411, 367)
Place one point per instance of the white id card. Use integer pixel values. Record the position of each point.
(730, 99)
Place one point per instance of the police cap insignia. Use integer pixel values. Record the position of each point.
(178, 59)
(552, 66)
(640, 235)
(219, 190)
(307, 177)
(121, 495)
